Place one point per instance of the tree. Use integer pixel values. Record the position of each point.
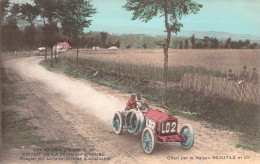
(90, 42)
(48, 10)
(181, 46)
(29, 37)
(13, 13)
(97, 41)
(253, 46)
(74, 16)
(206, 41)
(4, 4)
(104, 36)
(144, 45)
(117, 43)
(192, 39)
(199, 45)
(214, 43)
(10, 31)
(186, 44)
(82, 42)
(29, 12)
(171, 10)
(70, 15)
(234, 45)
(247, 43)
(12, 35)
(240, 44)
(228, 42)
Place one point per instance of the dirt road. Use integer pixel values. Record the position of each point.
(79, 113)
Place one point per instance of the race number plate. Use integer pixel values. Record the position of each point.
(150, 123)
(169, 127)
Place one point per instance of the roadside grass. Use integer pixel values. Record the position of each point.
(9, 91)
(46, 65)
(16, 131)
(219, 113)
(4, 77)
(149, 72)
(249, 142)
(10, 96)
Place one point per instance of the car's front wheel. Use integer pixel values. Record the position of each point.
(148, 140)
(188, 133)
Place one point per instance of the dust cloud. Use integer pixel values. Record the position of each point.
(75, 92)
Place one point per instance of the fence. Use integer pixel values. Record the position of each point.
(221, 87)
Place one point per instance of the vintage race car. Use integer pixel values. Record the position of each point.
(155, 126)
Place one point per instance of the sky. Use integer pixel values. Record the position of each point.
(232, 16)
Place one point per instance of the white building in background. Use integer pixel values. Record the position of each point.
(95, 48)
(61, 47)
(41, 49)
(113, 48)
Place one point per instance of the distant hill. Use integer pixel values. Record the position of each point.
(183, 34)
(220, 35)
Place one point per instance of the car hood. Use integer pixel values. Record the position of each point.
(159, 116)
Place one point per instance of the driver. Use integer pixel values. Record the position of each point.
(131, 103)
(141, 103)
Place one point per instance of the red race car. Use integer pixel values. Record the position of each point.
(154, 125)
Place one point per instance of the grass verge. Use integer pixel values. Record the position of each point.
(219, 113)
(175, 74)
(17, 133)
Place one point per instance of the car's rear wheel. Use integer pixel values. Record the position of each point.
(117, 123)
(188, 133)
(148, 140)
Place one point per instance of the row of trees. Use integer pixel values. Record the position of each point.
(62, 20)
(239, 44)
(99, 39)
(206, 42)
(214, 43)
(15, 38)
(31, 37)
(105, 40)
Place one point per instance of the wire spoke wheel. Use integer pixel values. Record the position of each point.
(117, 123)
(188, 133)
(148, 140)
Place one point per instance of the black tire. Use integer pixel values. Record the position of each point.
(117, 123)
(141, 123)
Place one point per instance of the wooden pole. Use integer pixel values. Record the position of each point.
(46, 53)
(55, 54)
(51, 57)
(77, 62)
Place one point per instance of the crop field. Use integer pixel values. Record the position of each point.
(214, 60)
(202, 71)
